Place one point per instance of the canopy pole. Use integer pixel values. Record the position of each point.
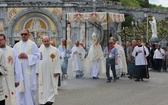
(85, 33)
(66, 31)
(107, 33)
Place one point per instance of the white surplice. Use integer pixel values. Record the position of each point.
(77, 59)
(46, 68)
(27, 88)
(14, 75)
(140, 58)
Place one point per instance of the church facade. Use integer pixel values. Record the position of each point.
(48, 17)
(43, 21)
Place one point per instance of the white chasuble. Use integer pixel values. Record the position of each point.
(47, 67)
(4, 72)
(95, 53)
(14, 75)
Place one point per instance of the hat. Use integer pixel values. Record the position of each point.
(93, 34)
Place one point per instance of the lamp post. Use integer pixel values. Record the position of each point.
(146, 28)
(134, 24)
(125, 35)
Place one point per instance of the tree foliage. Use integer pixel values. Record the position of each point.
(139, 3)
(140, 31)
(132, 3)
(128, 20)
(144, 3)
(162, 29)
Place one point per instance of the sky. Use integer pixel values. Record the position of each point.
(164, 3)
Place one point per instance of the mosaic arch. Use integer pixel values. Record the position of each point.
(38, 22)
(3, 27)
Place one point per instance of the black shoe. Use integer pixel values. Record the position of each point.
(77, 76)
(49, 103)
(122, 74)
(95, 77)
(114, 80)
(142, 79)
(117, 77)
(108, 81)
(137, 80)
(130, 77)
(81, 75)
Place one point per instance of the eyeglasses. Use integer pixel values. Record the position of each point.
(24, 34)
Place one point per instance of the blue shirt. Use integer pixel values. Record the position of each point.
(63, 50)
(113, 52)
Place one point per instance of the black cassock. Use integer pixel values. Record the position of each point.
(141, 71)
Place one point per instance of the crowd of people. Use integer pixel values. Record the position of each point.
(25, 63)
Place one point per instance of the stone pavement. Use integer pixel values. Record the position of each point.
(87, 91)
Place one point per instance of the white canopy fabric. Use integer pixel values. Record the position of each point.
(95, 17)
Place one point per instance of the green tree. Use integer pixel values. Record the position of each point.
(162, 29)
(128, 20)
(144, 3)
(140, 31)
(139, 3)
(132, 3)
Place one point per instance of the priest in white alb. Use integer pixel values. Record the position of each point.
(95, 60)
(3, 72)
(14, 73)
(48, 70)
(77, 55)
(121, 59)
(28, 55)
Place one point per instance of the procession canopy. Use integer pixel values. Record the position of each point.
(95, 17)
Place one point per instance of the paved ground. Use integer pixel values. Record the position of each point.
(87, 91)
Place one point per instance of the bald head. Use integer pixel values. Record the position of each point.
(25, 35)
(52, 43)
(46, 41)
(134, 42)
(77, 43)
(45, 38)
(128, 43)
(24, 31)
(81, 44)
(111, 43)
(113, 39)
